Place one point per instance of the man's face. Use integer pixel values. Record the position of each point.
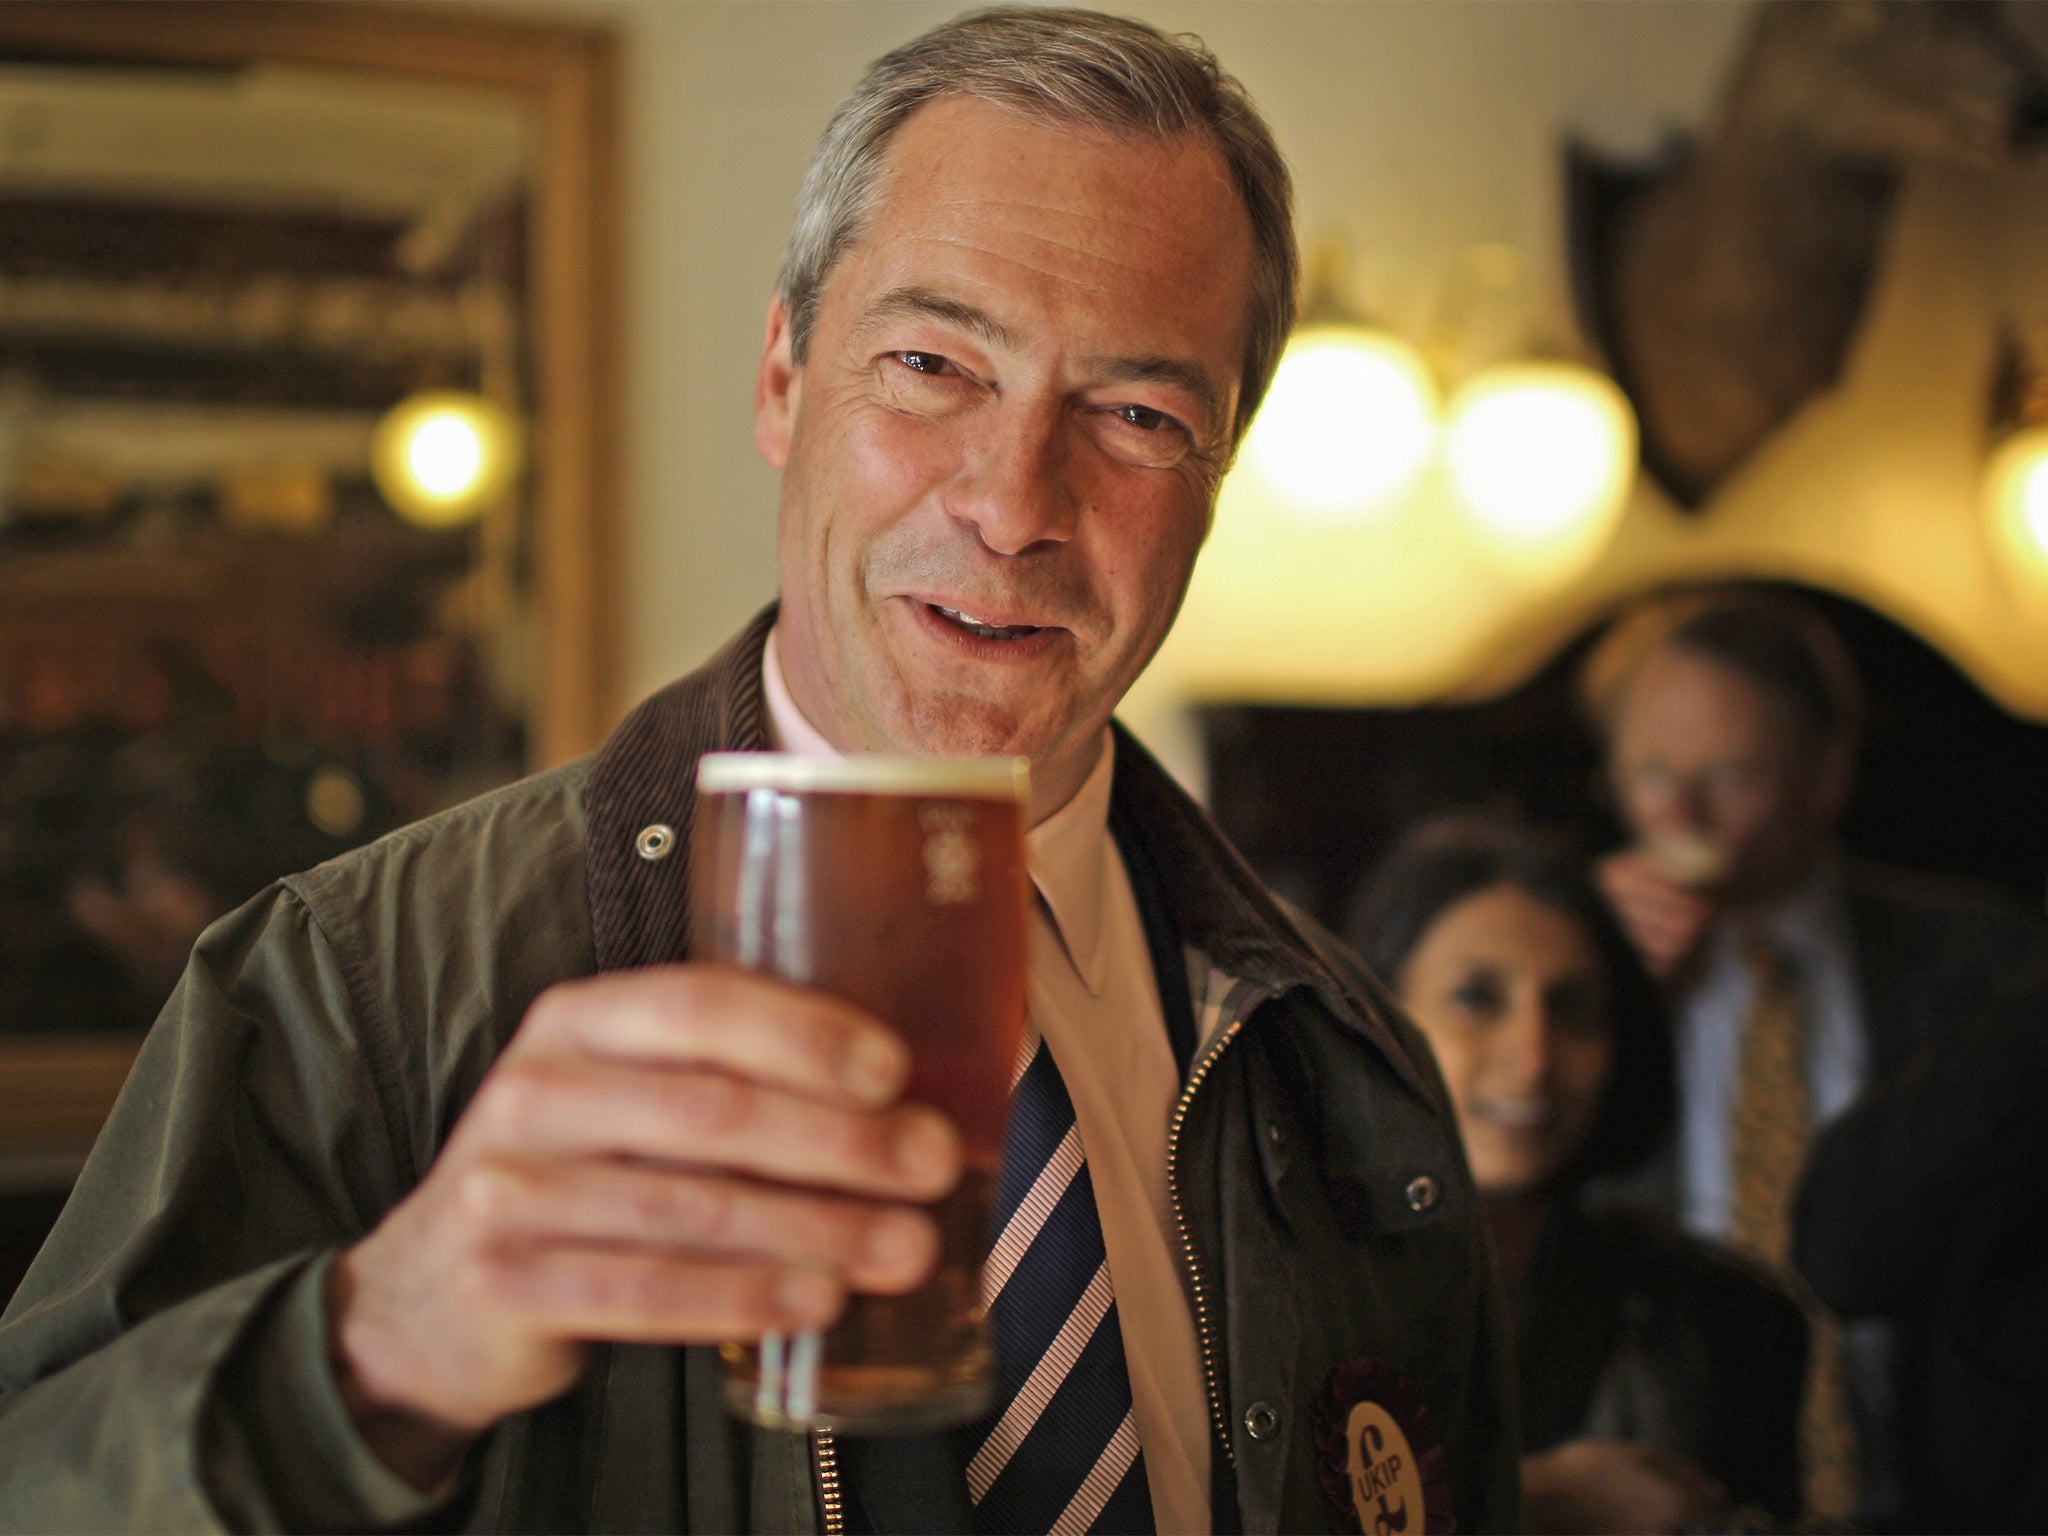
(1704, 754)
(1001, 451)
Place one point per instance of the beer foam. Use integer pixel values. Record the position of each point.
(866, 773)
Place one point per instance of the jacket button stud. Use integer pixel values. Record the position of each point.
(1262, 1420)
(1276, 1135)
(655, 842)
(1422, 1192)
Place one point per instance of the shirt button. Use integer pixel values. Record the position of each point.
(1276, 1135)
(655, 842)
(1422, 1192)
(1262, 1420)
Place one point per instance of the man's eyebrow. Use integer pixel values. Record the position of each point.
(928, 304)
(1177, 371)
(923, 303)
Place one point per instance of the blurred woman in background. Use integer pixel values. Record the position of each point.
(1660, 1377)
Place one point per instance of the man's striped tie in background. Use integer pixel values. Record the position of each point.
(1061, 1454)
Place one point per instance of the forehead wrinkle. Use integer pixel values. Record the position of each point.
(1070, 223)
(929, 304)
(1033, 215)
(1049, 237)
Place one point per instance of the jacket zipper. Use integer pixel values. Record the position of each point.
(1197, 1284)
(825, 1453)
(825, 1463)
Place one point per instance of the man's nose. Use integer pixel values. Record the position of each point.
(1694, 805)
(1014, 487)
(1669, 801)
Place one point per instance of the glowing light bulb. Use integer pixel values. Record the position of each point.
(1348, 425)
(2034, 500)
(1541, 456)
(446, 455)
(441, 457)
(2016, 503)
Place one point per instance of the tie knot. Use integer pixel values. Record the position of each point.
(1763, 954)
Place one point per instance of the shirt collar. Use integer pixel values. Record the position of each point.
(1805, 920)
(789, 730)
(1067, 853)
(1810, 917)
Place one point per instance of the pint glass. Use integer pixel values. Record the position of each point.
(897, 883)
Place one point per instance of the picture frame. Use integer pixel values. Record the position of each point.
(56, 1089)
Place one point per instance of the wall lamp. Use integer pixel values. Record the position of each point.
(441, 457)
(2016, 470)
(1537, 455)
(2016, 503)
(1350, 423)
(1541, 457)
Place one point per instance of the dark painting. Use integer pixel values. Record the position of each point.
(223, 656)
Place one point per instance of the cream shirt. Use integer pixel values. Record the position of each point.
(1095, 1000)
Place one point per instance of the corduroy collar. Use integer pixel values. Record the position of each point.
(645, 777)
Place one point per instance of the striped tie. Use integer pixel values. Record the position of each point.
(1061, 1454)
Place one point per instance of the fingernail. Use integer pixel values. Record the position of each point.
(925, 1146)
(899, 1242)
(807, 1295)
(874, 1066)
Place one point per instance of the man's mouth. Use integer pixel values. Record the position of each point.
(983, 628)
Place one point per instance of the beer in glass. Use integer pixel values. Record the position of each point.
(898, 884)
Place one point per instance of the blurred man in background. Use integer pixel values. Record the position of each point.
(1731, 721)
(1926, 1205)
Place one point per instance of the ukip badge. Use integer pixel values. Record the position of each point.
(1382, 1469)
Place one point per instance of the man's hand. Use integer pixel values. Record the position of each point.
(1665, 920)
(686, 1154)
(1616, 1488)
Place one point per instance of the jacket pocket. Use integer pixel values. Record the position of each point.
(1385, 1156)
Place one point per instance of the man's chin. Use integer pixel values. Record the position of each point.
(964, 726)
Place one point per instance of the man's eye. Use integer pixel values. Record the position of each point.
(1143, 436)
(1725, 781)
(1145, 418)
(1650, 779)
(924, 383)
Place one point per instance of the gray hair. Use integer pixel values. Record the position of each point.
(1071, 68)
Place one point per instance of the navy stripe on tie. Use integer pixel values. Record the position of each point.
(1040, 1115)
(1061, 1451)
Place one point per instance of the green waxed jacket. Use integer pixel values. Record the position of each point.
(164, 1365)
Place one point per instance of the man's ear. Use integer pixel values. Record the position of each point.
(777, 389)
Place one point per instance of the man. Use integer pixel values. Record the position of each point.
(1927, 1205)
(1732, 719)
(440, 1149)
